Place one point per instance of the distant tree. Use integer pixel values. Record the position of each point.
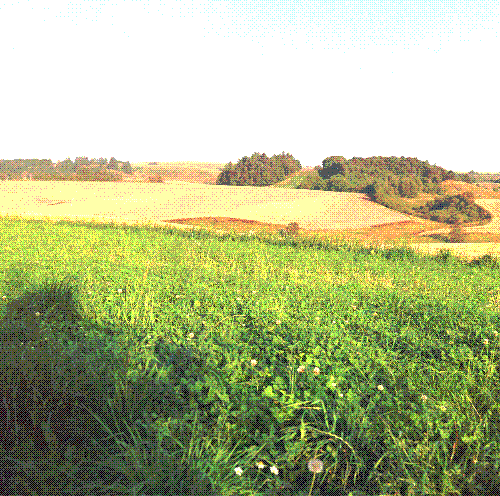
(258, 170)
(127, 168)
(333, 166)
(113, 163)
(450, 175)
(82, 161)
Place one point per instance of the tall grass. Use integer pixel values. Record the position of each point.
(153, 361)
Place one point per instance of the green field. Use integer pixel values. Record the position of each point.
(152, 361)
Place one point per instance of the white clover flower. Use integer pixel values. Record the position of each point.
(260, 465)
(495, 333)
(443, 408)
(120, 290)
(253, 362)
(301, 369)
(37, 314)
(424, 398)
(315, 465)
(316, 370)
(341, 395)
(191, 335)
(278, 322)
(274, 470)
(238, 470)
(380, 387)
(485, 341)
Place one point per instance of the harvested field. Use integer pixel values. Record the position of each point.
(177, 200)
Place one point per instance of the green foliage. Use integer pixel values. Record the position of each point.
(258, 170)
(313, 181)
(339, 183)
(82, 169)
(333, 166)
(454, 208)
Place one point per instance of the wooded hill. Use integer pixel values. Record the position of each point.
(386, 180)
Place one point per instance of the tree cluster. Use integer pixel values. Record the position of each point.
(454, 209)
(82, 169)
(258, 170)
(387, 181)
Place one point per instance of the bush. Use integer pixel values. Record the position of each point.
(457, 234)
(155, 179)
(292, 228)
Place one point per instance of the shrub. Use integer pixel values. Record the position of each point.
(292, 228)
(155, 179)
(457, 234)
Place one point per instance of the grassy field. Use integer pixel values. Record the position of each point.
(141, 360)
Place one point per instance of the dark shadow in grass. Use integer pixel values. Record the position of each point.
(56, 369)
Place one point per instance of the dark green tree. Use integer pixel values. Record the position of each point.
(82, 161)
(113, 163)
(333, 166)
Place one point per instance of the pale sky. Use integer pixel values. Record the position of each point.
(213, 81)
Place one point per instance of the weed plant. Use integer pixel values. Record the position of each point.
(152, 361)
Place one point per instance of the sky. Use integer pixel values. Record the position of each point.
(214, 81)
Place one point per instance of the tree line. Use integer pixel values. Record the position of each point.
(81, 169)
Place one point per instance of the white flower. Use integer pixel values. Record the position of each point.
(380, 387)
(424, 398)
(278, 322)
(253, 362)
(495, 333)
(316, 370)
(274, 470)
(37, 314)
(485, 341)
(443, 408)
(315, 465)
(260, 465)
(191, 335)
(341, 395)
(301, 369)
(238, 470)
(120, 290)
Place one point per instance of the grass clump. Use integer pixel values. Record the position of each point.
(191, 362)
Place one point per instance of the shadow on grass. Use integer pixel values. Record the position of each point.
(66, 400)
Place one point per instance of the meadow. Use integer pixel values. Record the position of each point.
(146, 360)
